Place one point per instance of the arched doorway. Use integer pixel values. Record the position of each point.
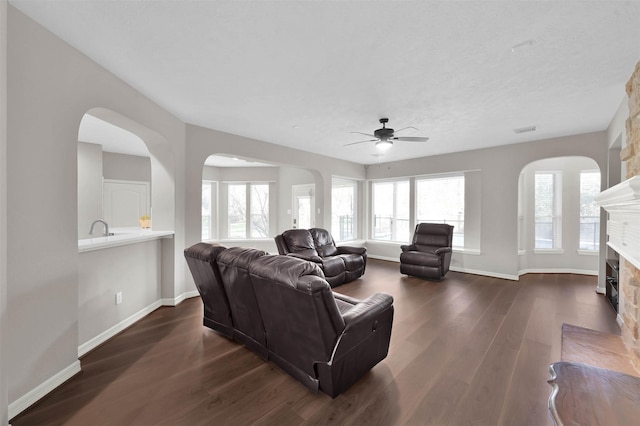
(558, 219)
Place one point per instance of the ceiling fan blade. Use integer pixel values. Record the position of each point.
(415, 129)
(366, 134)
(356, 143)
(410, 139)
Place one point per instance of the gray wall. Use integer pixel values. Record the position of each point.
(42, 291)
(89, 186)
(4, 365)
(94, 165)
(500, 168)
(126, 167)
(202, 142)
(570, 260)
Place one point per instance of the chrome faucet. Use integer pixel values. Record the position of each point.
(106, 228)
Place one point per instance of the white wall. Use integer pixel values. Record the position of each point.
(570, 260)
(126, 167)
(500, 168)
(89, 186)
(202, 142)
(134, 270)
(42, 265)
(4, 365)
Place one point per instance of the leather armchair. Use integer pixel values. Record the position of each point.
(202, 261)
(324, 340)
(340, 264)
(429, 254)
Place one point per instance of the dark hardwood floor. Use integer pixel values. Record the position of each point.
(466, 350)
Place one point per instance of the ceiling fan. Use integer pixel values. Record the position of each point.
(385, 136)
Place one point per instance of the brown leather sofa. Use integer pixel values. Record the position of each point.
(429, 254)
(340, 264)
(325, 340)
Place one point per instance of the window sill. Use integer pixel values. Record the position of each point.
(588, 252)
(548, 251)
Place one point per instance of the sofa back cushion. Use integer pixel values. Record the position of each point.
(234, 269)
(299, 240)
(430, 236)
(323, 242)
(299, 311)
(202, 261)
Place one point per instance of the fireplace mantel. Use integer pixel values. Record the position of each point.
(622, 202)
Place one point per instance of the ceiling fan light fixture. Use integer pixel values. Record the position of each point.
(383, 145)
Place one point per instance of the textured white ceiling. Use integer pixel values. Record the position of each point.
(305, 74)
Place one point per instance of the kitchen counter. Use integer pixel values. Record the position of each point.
(121, 237)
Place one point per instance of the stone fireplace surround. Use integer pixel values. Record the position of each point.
(622, 203)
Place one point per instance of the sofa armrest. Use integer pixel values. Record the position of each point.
(310, 258)
(443, 250)
(351, 300)
(352, 250)
(363, 320)
(407, 247)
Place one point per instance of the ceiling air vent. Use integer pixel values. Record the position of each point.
(525, 129)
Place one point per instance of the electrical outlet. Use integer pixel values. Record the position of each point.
(118, 298)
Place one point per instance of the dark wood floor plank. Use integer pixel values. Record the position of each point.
(467, 349)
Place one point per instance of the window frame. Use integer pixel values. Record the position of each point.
(596, 240)
(393, 226)
(556, 212)
(335, 230)
(458, 239)
(248, 209)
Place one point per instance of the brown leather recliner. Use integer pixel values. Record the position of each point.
(324, 340)
(429, 254)
(340, 264)
(202, 260)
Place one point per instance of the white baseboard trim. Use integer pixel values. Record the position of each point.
(601, 290)
(388, 259)
(109, 333)
(485, 273)
(177, 300)
(557, 271)
(456, 269)
(40, 391)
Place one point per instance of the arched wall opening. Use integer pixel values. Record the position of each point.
(247, 201)
(161, 166)
(139, 271)
(559, 224)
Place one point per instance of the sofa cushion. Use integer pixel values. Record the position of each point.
(352, 262)
(284, 270)
(420, 258)
(333, 266)
(299, 240)
(323, 242)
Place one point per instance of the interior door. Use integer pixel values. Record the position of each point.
(304, 204)
(124, 202)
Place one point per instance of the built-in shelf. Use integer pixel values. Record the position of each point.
(622, 203)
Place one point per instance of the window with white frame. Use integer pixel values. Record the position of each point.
(441, 200)
(208, 208)
(548, 220)
(248, 210)
(589, 210)
(343, 209)
(391, 211)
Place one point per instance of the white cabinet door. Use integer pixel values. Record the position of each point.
(124, 202)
